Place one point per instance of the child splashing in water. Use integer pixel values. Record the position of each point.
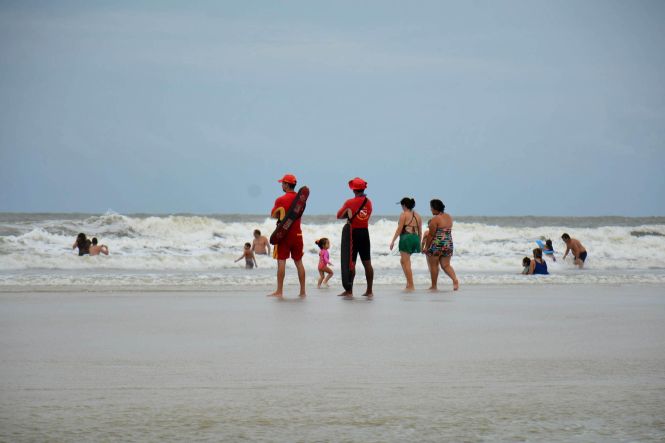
(248, 255)
(324, 262)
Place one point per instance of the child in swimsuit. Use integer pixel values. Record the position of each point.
(248, 255)
(548, 249)
(83, 243)
(526, 264)
(324, 262)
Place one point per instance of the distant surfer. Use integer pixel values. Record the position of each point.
(439, 244)
(260, 244)
(96, 249)
(549, 249)
(83, 243)
(574, 245)
(358, 210)
(291, 245)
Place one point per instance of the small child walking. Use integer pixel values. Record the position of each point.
(248, 255)
(324, 262)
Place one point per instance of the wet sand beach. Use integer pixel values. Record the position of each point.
(490, 363)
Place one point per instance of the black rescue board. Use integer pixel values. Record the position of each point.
(346, 249)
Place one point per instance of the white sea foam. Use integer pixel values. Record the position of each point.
(190, 250)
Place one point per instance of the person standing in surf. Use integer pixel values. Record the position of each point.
(409, 230)
(358, 210)
(573, 245)
(439, 244)
(292, 244)
(260, 244)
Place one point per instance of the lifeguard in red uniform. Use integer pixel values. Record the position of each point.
(359, 210)
(291, 245)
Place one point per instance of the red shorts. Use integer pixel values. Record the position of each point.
(291, 246)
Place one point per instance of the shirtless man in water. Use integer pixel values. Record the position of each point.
(260, 244)
(574, 245)
(97, 249)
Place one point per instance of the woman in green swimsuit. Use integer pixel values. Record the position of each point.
(409, 230)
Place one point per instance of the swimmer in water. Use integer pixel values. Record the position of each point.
(96, 249)
(248, 255)
(83, 244)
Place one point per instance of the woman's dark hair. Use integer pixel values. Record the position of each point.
(548, 243)
(83, 244)
(437, 205)
(526, 261)
(538, 253)
(408, 203)
(321, 242)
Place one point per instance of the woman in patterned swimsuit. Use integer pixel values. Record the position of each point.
(439, 244)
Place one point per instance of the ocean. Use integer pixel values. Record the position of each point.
(187, 251)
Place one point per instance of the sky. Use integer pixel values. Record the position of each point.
(495, 107)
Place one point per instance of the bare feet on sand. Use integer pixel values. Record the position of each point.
(409, 289)
(279, 295)
(455, 285)
(345, 294)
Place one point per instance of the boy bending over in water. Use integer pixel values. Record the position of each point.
(526, 265)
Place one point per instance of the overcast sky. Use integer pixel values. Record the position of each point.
(496, 107)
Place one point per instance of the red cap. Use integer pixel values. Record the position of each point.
(289, 178)
(357, 184)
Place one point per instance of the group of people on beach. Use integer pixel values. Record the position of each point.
(89, 247)
(436, 242)
(537, 265)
